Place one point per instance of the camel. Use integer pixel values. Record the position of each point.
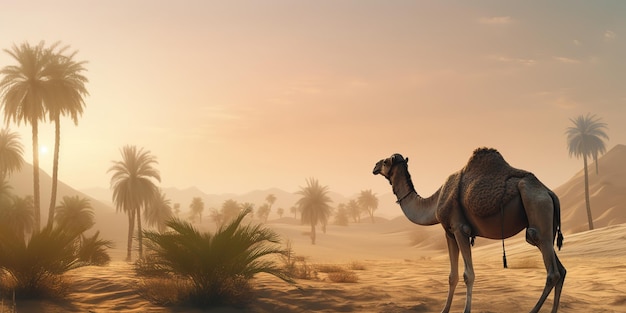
(487, 198)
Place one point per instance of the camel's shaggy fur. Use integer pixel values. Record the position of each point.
(488, 182)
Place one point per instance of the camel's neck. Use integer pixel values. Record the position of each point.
(418, 210)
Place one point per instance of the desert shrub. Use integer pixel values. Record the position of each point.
(93, 250)
(356, 266)
(34, 269)
(343, 276)
(296, 266)
(218, 266)
(337, 273)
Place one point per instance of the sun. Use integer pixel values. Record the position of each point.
(43, 150)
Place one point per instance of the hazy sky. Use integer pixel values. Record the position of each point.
(233, 96)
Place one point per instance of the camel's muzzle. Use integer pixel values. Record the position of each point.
(378, 167)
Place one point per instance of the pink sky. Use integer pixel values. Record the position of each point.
(233, 96)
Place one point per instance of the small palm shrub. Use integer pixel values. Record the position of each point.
(218, 266)
(93, 250)
(34, 269)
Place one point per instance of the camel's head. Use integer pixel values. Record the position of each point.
(384, 166)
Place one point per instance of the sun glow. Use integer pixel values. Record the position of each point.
(43, 150)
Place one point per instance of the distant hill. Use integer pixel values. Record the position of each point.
(112, 225)
(22, 184)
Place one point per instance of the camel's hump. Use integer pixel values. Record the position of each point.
(486, 158)
(488, 181)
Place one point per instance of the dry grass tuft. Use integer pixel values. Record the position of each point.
(337, 273)
(356, 266)
(343, 276)
(296, 266)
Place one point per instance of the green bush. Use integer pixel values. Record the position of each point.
(93, 250)
(218, 266)
(34, 269)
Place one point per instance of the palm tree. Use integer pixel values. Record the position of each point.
(369, 202)
(75, 214)
(354, 210)
(11, 151)
(314, 205)
(263, 212)
(24, 89)
(586, 139)
(5, 192)
(133, 188)
(159, 212)
(17, 214)
(271, 199)
(69, 88)
(230, 209)
(196, 207)
(294, 210)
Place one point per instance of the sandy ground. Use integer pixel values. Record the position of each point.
(395, 278)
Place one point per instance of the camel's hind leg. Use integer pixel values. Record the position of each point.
(539, 209)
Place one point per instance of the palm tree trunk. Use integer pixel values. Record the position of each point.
(131, 229)
(55, 170)
(139, 233)
(313, 233)
(587, 201)
(36, 200)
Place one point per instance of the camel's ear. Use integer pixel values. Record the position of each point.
(406, 160)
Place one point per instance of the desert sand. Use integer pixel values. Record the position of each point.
(396, 277)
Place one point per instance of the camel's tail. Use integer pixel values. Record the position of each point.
(557, 220)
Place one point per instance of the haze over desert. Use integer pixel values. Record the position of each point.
(270, 156)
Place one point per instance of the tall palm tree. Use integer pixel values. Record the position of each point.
(17, 215)
(196, 207)
(23, 89)
(271, 199)
(263, 212)
(67, 99)
(75, 214)
(586, 139)
(231, 209)
(133, 188)
(159, 212)
(5, 192)
(354, 210)
(314, 205)
(369, 202)
(11, 151)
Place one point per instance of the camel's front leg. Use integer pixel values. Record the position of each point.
(453, 251)
(463, 243)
